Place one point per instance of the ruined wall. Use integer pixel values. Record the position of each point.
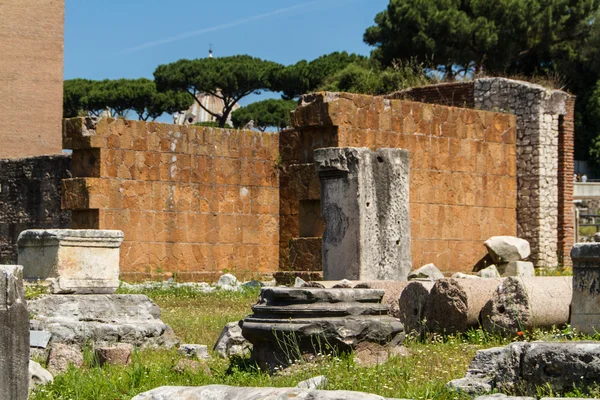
(545, 132)
(192, 201)
(30, 192)
(463, 173)
(31, 77)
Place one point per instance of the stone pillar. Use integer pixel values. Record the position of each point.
(14, 335)
(365, 205)
(585, 306)
(72, 261)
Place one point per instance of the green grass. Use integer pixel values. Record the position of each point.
(587, 231)
(199, 318)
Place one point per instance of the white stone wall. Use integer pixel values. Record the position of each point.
(538, 112)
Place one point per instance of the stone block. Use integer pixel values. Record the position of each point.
(38, 376)
(101, 319)
(585, 308)
(194, 350)
(504, 249)
(14, 334)
(522, 368)
(114, 355)
(223, 392)
(72, 261)
(524, 269)
(489, 272)
(231, 342)
(365, 203)
(61, 356)
(427, 272)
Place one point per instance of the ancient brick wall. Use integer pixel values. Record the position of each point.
(566, 169)
(545, 131)
(30, 192)
(31, 77)
(192, 201)
(463, 173)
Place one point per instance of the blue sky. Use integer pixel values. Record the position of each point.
(129, 38)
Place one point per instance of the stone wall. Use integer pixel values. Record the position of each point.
(31, 77)
(30, 193)
(462, 180)
(545, 134)
(192, 201)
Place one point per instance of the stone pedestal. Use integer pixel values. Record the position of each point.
(14, 335)
(365, 205)
(290, 323)
(585, 307)
(72, 261)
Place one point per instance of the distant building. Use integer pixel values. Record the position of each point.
(196, 114)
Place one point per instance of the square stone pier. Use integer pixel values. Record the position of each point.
(72, 261)
(365, 204)
(585, 306)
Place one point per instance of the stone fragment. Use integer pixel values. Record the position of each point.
(194, 350)
(364, 202)
(520, 304)
(101, 319)
(39, 339)
(470, 386)
(412, 305)
(489, 272)
(14, 334)
(524, 269)
(318, 382)
(61, 356)
(343, 284)
(523, 367)
(454, 305)
(597, 237)
(38, 376)
(223, 392)
(72, 261)
(585, 308)
(195, 367)
(427, 272)
(313, 284)
(460, 275)
(288, 324)
(227, 280)
(231, 342)
(253, 284)
(507, 248)
(114, 355)
(299, 282)
(368, 354)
